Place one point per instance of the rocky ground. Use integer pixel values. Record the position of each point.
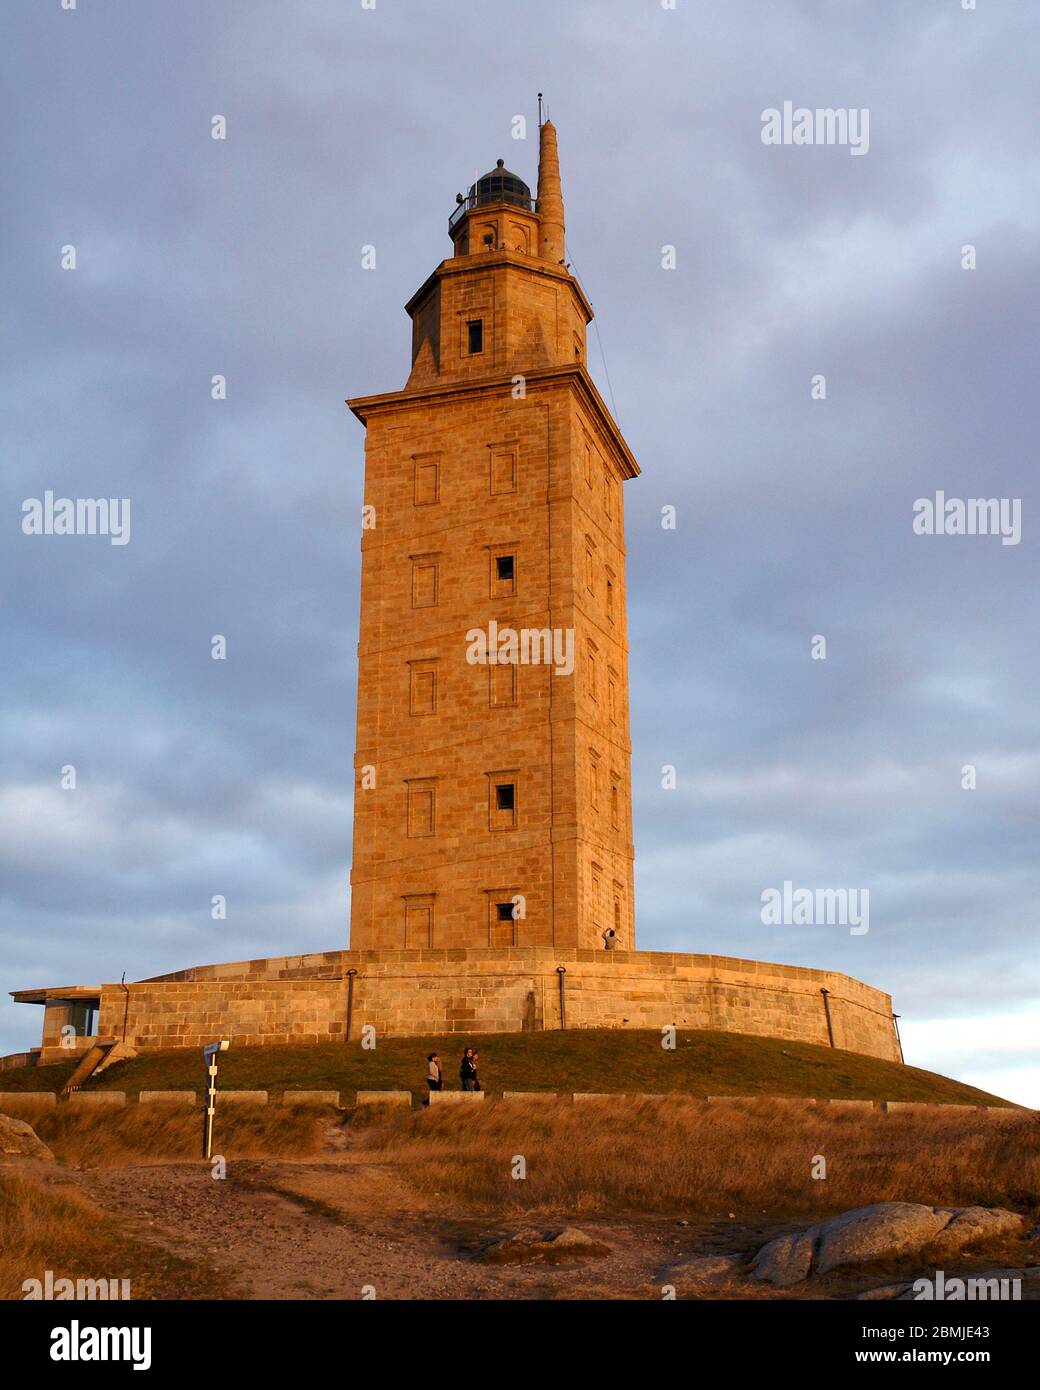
(347, 1230)
(345, 1226)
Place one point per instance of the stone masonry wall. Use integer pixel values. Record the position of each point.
(436, 733)
(303, 999)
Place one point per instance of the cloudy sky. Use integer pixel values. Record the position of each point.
(349, 126)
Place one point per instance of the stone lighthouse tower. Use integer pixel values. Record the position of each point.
(493, 800)
(492, 804)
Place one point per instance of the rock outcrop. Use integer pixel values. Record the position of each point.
(875, 1233)
(550, 1246)
(19, 1140)
(885, 1230)
(786, 1260)
(972, 1225)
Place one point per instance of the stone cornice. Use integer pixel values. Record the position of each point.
(488, 260)
(365, 407)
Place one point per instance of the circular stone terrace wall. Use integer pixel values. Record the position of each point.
(304, 999)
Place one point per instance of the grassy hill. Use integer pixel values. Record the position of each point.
(703, 1063)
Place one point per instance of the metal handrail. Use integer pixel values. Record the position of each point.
(472, 200)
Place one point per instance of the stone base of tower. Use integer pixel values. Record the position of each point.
(430, 992)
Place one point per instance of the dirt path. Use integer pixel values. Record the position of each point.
(331, 1229)
(347, 1226)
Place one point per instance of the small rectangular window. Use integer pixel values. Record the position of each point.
(475, 335)
(83, 1018)
(502, 917)
(503, 801)
(503, 574)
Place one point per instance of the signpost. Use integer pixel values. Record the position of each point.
(210, 1052)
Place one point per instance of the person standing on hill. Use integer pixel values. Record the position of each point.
(434, 1075)
(468, 1071)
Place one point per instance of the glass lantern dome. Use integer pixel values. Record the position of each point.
(498, 186)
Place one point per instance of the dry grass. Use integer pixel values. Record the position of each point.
(634, 1162)
(56, 1228)
(96, 1139)
(686, 1158)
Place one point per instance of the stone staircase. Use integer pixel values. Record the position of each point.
(101, 1056)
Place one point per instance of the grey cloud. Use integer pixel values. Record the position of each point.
(349, 127)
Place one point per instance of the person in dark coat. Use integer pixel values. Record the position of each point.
(468, 1071)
